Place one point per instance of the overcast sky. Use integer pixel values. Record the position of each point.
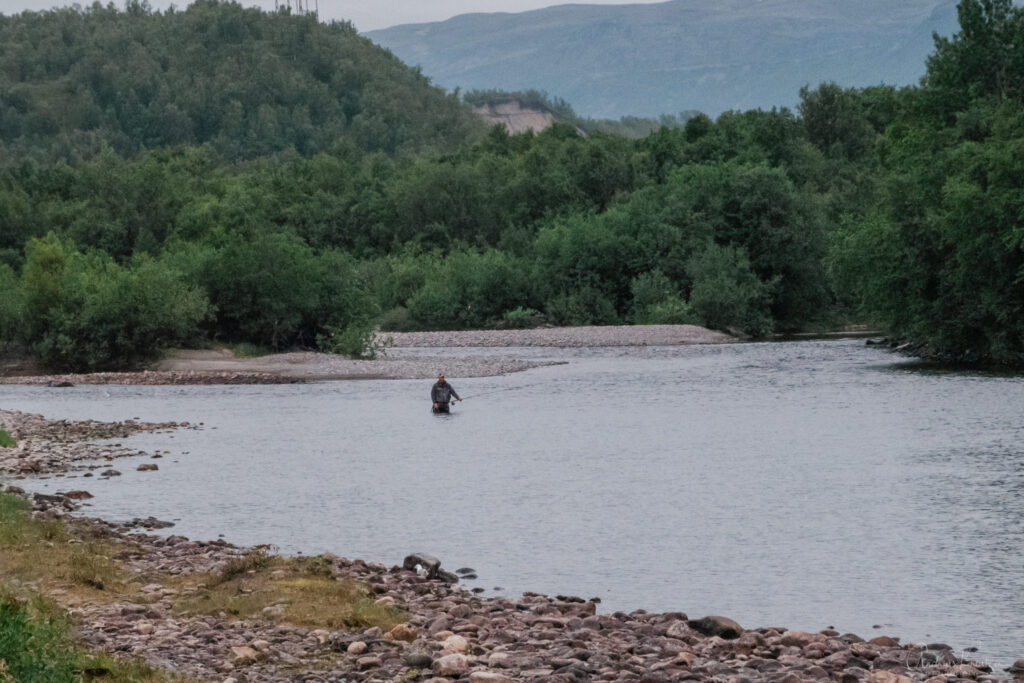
(367, 15)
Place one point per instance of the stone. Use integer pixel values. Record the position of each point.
(446, 576)
(148, 467)
(1017, 667)
(419, 660)
(273, 612)
(110, 473)
(965, 671)
(402, 632)
(260, 645)
(145, 629)
(456, 644)
(368, 662)
(864, 650)
(451, 665)
(244, 655)
(78, 495)
(885, 641)
(498, 659)
(357, 648)
(722, 627)
(685, 659)
(428, 563)
(489, 677)
(800, 639)
(888, 677)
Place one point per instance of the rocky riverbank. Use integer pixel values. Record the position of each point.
(446, 633)
(60, 446)
(214, 612)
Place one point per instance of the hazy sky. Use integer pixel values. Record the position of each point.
(367, 15)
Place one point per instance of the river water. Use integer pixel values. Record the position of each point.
(804, 484)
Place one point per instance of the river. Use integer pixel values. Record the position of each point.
(804, 484)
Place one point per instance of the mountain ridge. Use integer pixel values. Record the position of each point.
(651, 59)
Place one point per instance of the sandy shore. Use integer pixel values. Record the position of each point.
(221, 367)
(447, 633)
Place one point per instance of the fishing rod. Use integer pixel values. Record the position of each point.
(498, 391)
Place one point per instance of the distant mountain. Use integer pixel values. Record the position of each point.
(709, 55)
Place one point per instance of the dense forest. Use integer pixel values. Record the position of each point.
(222, 174)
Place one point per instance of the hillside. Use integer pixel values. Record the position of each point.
(246, 82)
(610, 61)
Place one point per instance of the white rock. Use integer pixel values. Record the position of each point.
(455, 644)
(357, 648)
(451, 665)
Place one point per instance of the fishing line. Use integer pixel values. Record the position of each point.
(498, 391)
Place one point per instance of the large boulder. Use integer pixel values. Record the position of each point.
(722, 627)
(429, 563)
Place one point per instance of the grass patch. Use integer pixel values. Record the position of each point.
(6, 440)
(252, 562)
(42, 550)
(304, 589)
(36, 646)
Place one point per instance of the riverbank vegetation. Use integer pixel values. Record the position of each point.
(36, 635)
(264, 179)
(48, 557)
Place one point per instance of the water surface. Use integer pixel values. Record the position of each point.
(805, 484)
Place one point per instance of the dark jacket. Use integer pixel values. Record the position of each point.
(442, 393)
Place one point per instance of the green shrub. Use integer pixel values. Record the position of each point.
(357, 341)
(10, 305)
(671, 311)
(33, 647)
(396, 320)
(85, 312)
(521, 318)
(585, 306)
(6, 440)
(726, 293)
(656, 301)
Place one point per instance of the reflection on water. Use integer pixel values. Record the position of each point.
(807, 484)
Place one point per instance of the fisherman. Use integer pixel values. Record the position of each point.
(441, 394)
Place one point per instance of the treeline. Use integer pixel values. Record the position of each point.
(903, 205)
(722, 223)
(939, 256)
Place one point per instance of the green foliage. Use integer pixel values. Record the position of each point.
(246, 82)
(10, 305)
(656, 301)
(34, 647)
(726, 292)
(6, 440)
(940, 259)
(84, 312)
(329, 189)
(520, 318)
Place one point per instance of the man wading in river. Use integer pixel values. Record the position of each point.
(441, 394)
